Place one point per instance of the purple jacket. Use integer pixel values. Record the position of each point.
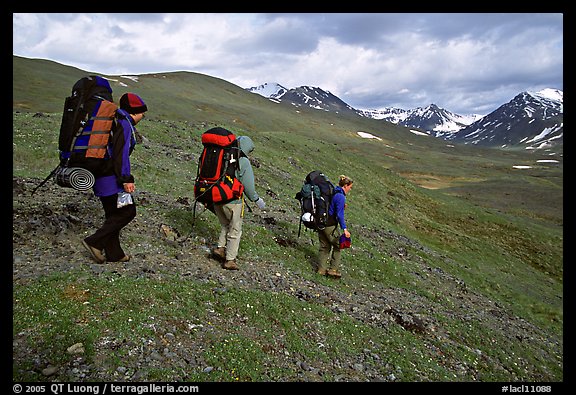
(120, 146)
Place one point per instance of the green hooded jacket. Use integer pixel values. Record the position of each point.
(245, 174)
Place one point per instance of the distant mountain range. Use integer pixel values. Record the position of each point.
(432, 119)
(303, 96)
(533, 120)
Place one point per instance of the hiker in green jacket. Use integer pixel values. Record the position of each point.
(230, 214)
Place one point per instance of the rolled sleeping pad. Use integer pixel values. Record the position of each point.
(75, 177)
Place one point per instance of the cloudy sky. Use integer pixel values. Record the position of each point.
(466, 63)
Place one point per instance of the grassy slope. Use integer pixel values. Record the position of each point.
(502, 227)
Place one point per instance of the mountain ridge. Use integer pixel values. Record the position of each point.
(531, 120)
(442, 123)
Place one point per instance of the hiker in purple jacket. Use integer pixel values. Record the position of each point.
(329, 250)
(115, 184)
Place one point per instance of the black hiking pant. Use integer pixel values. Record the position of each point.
(107, 237)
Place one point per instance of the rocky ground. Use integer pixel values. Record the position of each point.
(48, 227)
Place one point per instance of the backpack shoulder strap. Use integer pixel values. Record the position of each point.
(120, 113)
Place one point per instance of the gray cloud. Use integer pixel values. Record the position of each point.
(466, 63)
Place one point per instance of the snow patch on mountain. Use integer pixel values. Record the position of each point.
(269, 90)
(365, 135)
(550, 94)
(436, 121)
(391, 114)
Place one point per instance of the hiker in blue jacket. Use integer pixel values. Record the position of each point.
(230, 214)
(115, 179)
(329, 254)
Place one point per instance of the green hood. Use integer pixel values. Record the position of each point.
(246, 144)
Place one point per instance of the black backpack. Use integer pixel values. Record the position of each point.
(216, 180)
(315, 197)
(87, 120)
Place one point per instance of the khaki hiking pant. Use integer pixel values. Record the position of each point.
(230, 217)
(329, 253)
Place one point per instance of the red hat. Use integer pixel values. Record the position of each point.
(132, 103)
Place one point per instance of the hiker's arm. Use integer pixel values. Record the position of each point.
(339, 204)
(121, 153)
(246, 177)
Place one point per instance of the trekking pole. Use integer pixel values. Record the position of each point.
(193, 221)
(46, 179)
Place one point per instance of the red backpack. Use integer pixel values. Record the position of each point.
(216, 180)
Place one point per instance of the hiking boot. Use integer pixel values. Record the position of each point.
(230, 265)
(219, 253)
(125, 258)
(321, 271)
(95, 253)
(333, 273)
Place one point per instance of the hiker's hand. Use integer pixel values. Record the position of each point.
(346, 233)
(260, 203)
(129, 187)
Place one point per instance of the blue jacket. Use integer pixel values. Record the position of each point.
(117, 168)
(337, 205)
